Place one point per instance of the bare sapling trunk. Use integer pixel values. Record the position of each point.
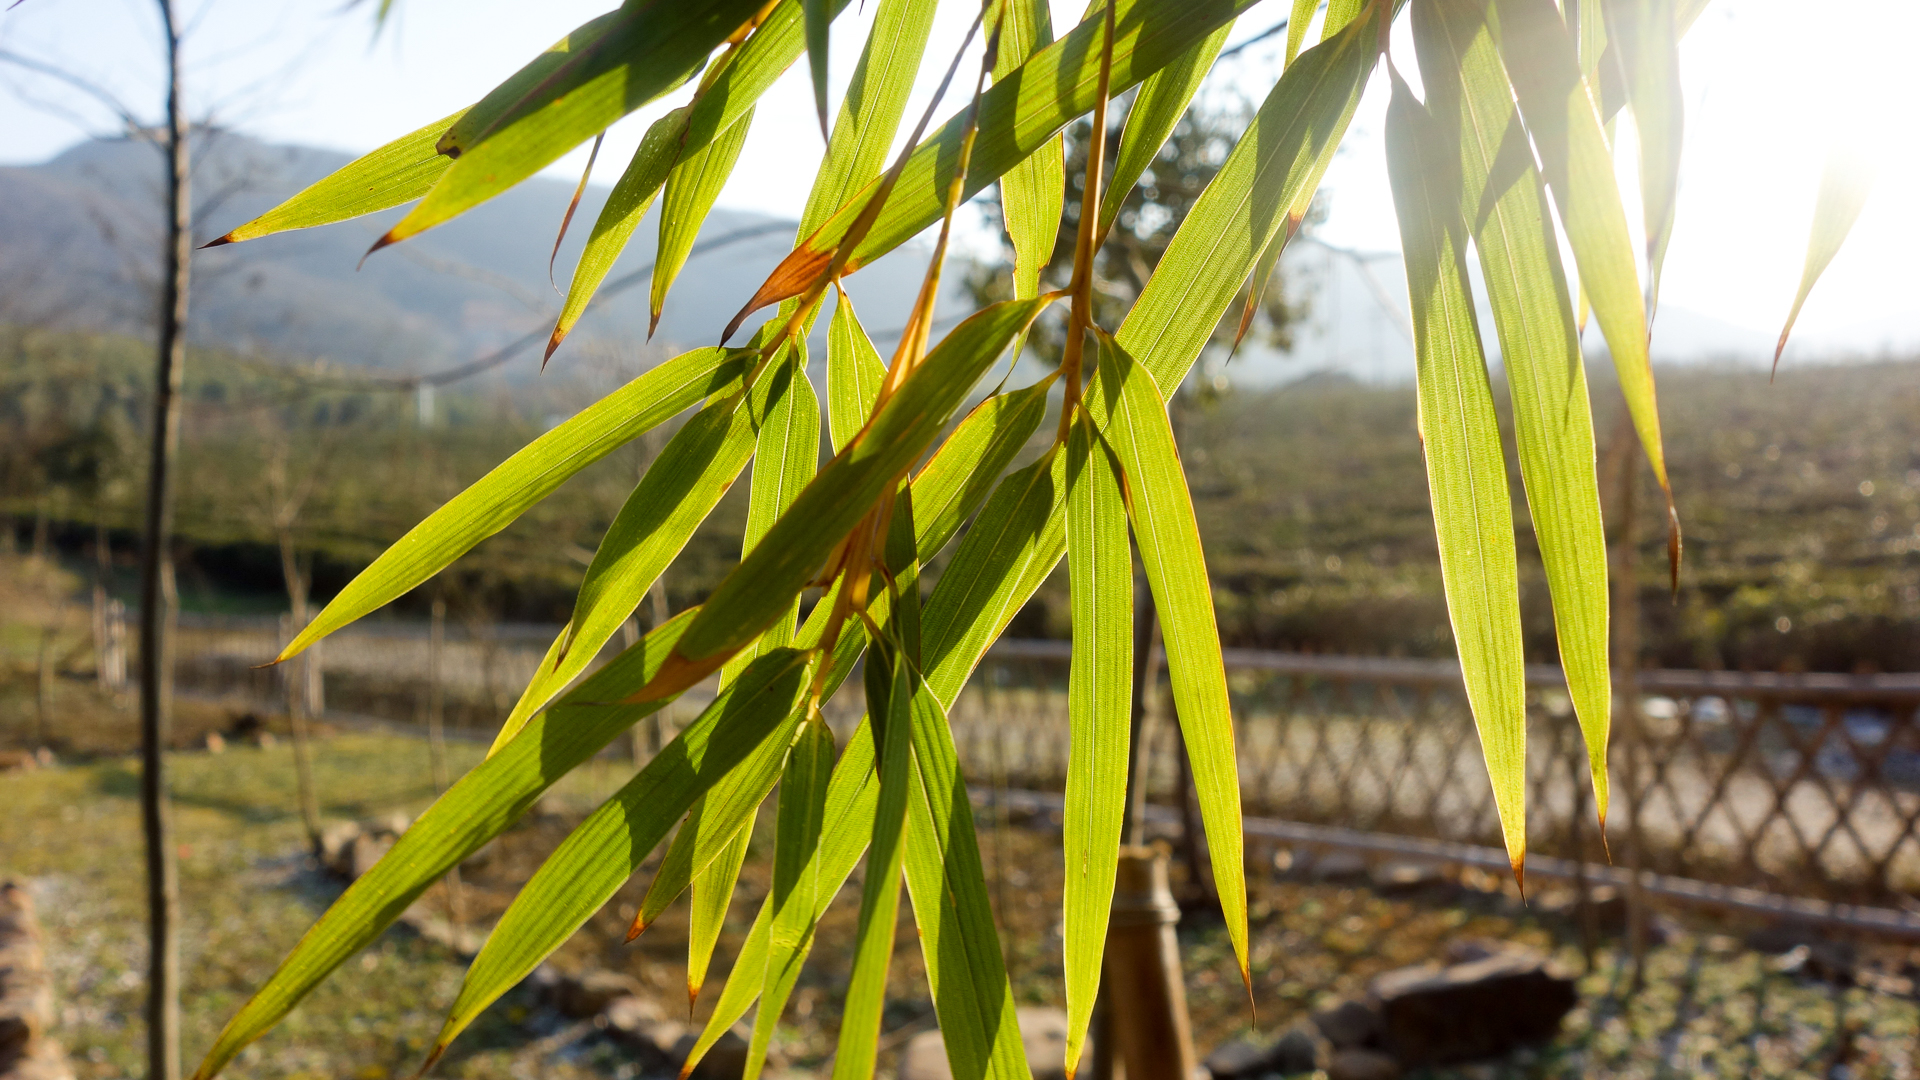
(298, 691)
(163, 883)
(437, 737)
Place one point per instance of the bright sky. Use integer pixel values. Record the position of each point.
(1769, 90)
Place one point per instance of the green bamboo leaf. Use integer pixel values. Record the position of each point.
(1257, 283)
(796, 881)
(398, 172)
(721, 103)
(1297, 23)
(1339, 14)
(478, 807)
(851, 797)
(1014, 544)
(1265, 183)
(605, 849)
(1137, 429)
(950, 487)
(854, 372)
(1503, 197)
(1161, 102)
(1032, 191)
(891, 689)
(750, 598)
(1466, 471)
(1561, 115)
(1844, 185)
(692, 187)
(1020, 114)
(1099, 704)
(530, 475)
(961, 948)
(1650, 53)
(870, 112)
(711, 893)
(606, 69)
(626, 204)
(786, 458)
(819, 18)
(680, 488)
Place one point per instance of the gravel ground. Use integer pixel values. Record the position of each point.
(1710, 1006)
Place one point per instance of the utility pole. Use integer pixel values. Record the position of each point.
(163, 880)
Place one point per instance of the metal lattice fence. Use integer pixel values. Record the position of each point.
(1801, 785)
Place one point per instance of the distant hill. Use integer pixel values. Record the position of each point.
(81, 242)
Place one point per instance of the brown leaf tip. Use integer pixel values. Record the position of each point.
(222, 241)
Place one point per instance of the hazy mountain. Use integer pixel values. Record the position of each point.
(81, 241)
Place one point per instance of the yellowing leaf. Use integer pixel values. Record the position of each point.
(1844, 185)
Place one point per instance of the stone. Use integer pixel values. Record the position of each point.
(1362, 1065)
(366, 850)
(1042, 1030)
(1484, 1008)
(1823, 961)
(26, 995)
(1349, 1025)
(1300, 1050)
(216, 743)
(336, 846)
(586, 995)
(1407, 876)
(1237, 1059)
(640, 1025)
(18, 761)
(726, 1059)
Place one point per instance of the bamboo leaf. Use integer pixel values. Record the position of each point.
(750, 598)
(712, 894)
(786, 458)
(398, 172)
(478, 807)
(605, 849)
(1017, 116)
(1466, 471)
(1844, 185)
(1011, 548)
(890, 694)
(626, 204)
(1257, 284)
(870, 112)
(1578, 165)
(715, 826)
(1161, 102)
(606, 69)
(961, 948)
(721, 103)
(692, 187)
(819, 18)
(796, 880)
(854, 371)
(1503, 197)
(1339, 14)
(680, 488)
(1032, 191)
(1099, 702)
(851, 797)
(1265, 183)
(1137, 428)
(951, 486)
(1297, 22)
(530, 475)
(1650, 52)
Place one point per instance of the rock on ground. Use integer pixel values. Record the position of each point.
(1362, 1065)
(27, 1052)
(1044, 1031)
(1480, 1009)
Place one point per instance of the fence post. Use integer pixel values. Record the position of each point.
(1626, 659)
